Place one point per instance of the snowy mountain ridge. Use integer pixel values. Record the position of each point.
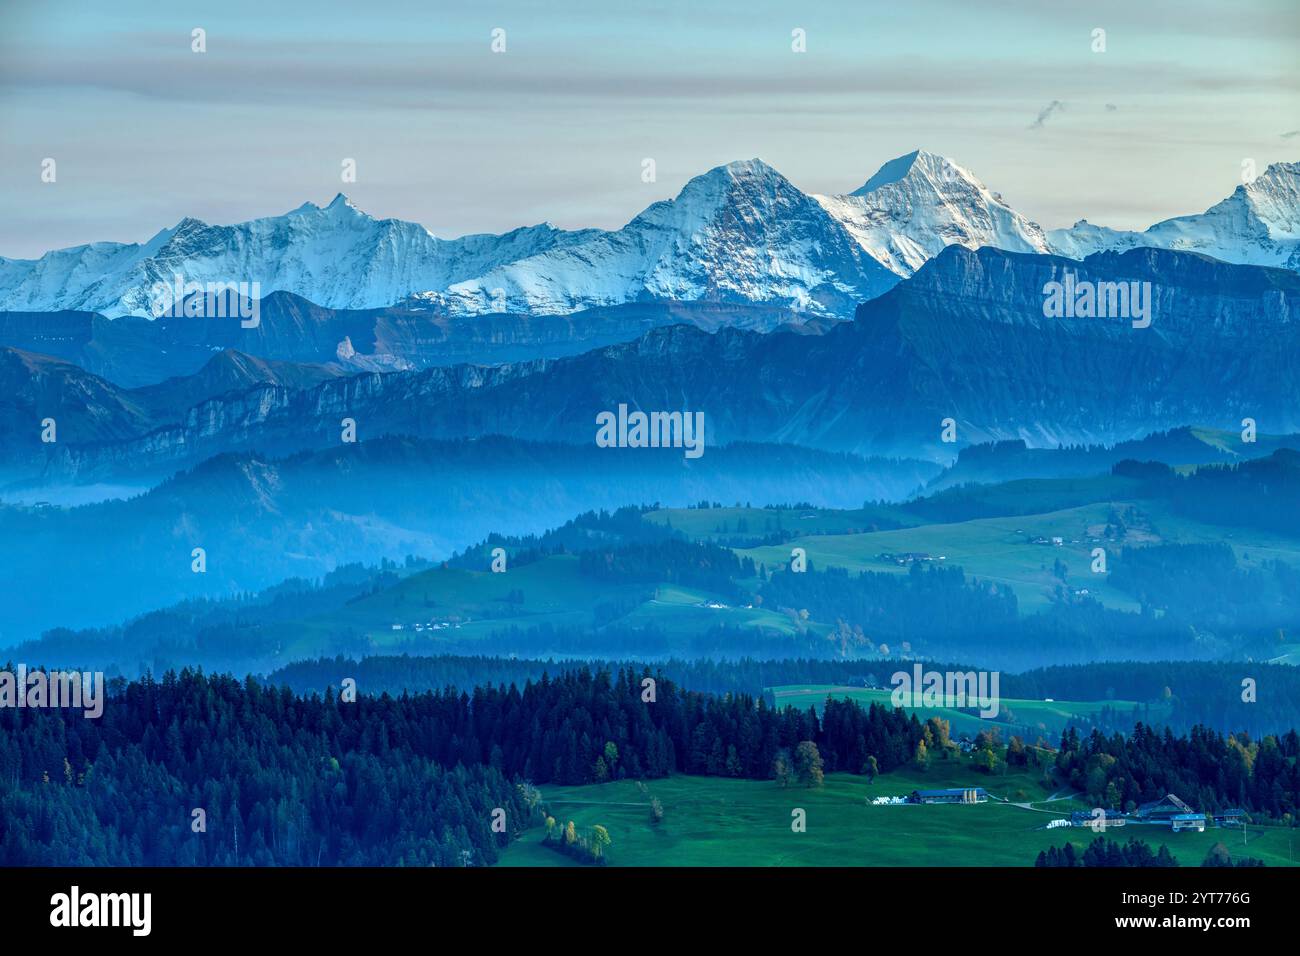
(740, 233)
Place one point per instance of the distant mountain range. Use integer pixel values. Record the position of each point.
(1013, 459)
(740, 234)
(261, 520)
(965, 338)
(1259, 224)
(133, 351)
(473, 371)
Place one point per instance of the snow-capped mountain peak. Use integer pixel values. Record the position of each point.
(341, 202)
(1258, 224)
(738, 233)
(1274, 199)
(746, 187)
(922, 161)
(917, 204)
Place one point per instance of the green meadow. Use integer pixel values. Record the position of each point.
(454, 605)
(548, 591)
(990, 549)
(1000, 549)
(1016, 716)
(710, 821)
(681, 609)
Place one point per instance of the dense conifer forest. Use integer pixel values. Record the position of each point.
(417, 779)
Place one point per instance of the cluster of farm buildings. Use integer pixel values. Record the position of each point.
(1168, 811)
(431, 626)
(951, 795)
(909, 557)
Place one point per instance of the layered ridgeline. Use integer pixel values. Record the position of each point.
(1200, 561)
(740, 234)
(132, 351)
(260, 521)
(966, 338)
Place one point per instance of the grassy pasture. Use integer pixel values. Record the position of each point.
(1035, 715)
(712, 821)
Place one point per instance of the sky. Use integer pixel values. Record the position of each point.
(448, 133)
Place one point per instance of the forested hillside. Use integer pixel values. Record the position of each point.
(279, 778)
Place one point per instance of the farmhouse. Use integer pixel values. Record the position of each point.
(1178, 816)
(1230, 818)
(1162, 810)
(951, 795)
(906, 557)
(1103, 820)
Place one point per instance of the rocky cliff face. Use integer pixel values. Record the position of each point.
(966, 338)
(133, 352)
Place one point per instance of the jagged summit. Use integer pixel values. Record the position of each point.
(923, 161)
(919, 203)
(1274, 197)
(1258, 224)
(339, 204)
(743, 168)
(738, 233)
(724, 183)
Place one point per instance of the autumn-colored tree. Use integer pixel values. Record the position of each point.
(531, 796)
(1016, 755)
(599, 840)
(921, 758)
(781, 769)
(808, 764)
(940, 737)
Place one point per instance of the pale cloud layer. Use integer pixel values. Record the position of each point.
(451, 135)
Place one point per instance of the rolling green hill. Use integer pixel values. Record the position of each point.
(1002, 549)
(993, 549)
(1034, 537)
(711, 821)
(713, 524)
(436, 605)
(1016, 716)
